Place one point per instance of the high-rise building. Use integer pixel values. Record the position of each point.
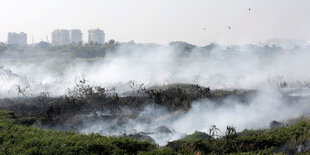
(96, 36)
(17, 38)
(75, 36)
(61, 37)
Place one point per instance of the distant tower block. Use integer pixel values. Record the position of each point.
(61, 37)
(96, 36)
(66, 37)
(76, 36)
(17, 38)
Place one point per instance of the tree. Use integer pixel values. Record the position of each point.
(3, 47)
(43, 45)
(112, 42)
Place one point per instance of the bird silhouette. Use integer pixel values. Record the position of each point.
(229, 27)
(249, 9)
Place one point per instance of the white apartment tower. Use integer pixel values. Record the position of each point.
(96, 36)
(75, 36)
(17, 38)
(61, 37)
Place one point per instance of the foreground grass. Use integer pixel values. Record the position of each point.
(18, 139)
(21, 139)
(289, 139)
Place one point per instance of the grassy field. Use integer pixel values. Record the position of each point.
(22, 139)
(19, 139)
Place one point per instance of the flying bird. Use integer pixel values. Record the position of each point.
(249, 9)
(204, 29)
(229, 27)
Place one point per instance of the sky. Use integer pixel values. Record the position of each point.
(161, 21)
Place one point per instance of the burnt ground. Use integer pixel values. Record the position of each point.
(44, 109)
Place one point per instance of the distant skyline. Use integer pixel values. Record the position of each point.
(198, 22)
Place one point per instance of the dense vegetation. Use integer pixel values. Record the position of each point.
(16, 139)
(85, 99)
(20, 132)
(288, 139)
(87, 51)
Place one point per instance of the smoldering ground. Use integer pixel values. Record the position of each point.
(269, 104)
(218, 67)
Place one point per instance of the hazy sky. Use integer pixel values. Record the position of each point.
(161, 21)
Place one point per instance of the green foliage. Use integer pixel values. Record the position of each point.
(17, 139)
(196, 136)
(265, 141)
(3, 47)
(159, 151)
(174, 96)
(111, 42)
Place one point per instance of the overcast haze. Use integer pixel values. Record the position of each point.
(161, 21)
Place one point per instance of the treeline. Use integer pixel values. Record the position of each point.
(100, 50)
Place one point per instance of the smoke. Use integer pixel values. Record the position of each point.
(248, 66)
(8, 80)
(267, 105)
(215, 66)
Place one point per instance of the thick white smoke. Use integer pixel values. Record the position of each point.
(246, 66)
(233, 67)
(268, 105)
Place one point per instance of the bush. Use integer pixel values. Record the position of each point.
(265, 141)
(17, 139)
(21, 139)
(159, 151)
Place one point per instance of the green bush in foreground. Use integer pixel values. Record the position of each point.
(16, 139)
(19, 139)
(265, 141)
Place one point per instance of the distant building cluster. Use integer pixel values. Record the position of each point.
(96, 36)
(76, 36)
(66, 37)
(62, 37)
(17, 38)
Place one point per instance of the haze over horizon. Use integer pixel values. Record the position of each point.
(161, 21)
(180, 77)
